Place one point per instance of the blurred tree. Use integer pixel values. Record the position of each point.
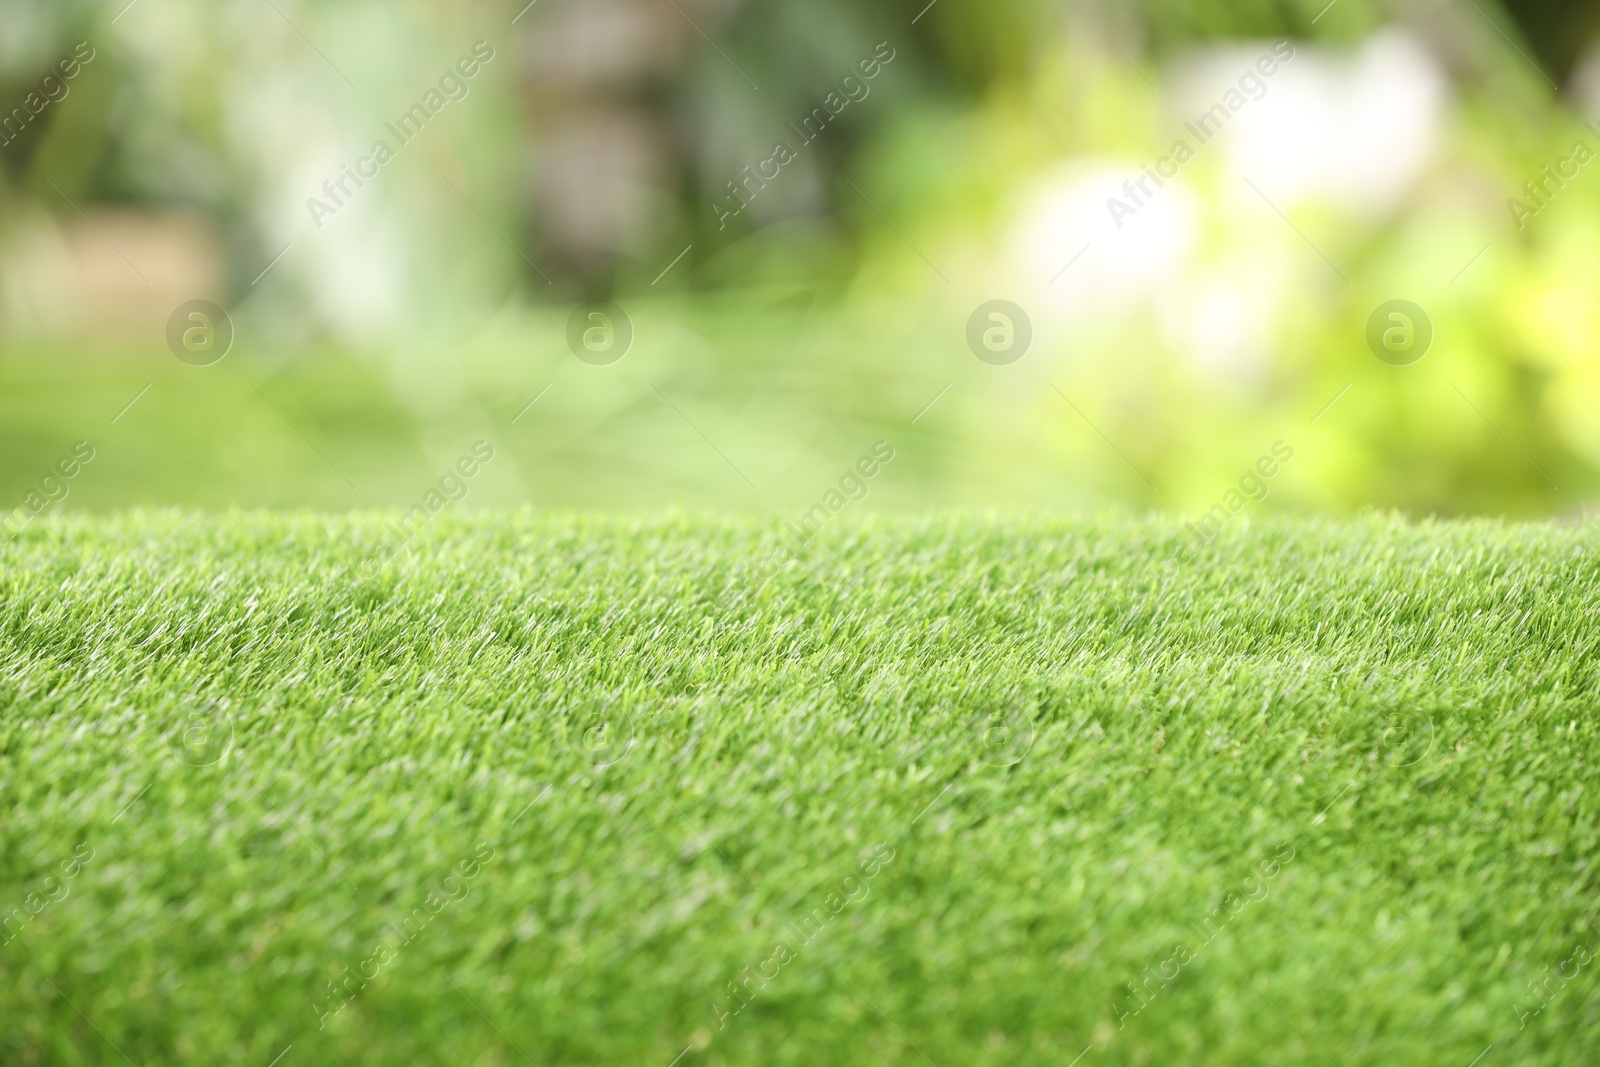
(639, 113)
(1560, 31)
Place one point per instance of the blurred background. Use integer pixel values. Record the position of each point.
(798, 209)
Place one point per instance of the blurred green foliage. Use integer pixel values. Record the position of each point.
(783, 344)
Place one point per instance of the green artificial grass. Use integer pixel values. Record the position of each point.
(952, 790)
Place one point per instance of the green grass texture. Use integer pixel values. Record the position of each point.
(554, 789)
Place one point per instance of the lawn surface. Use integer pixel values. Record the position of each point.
(951, 791)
